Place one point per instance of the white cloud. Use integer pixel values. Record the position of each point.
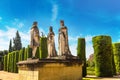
(5, 37)
(20, 25)
(73, 45)
(73, 38)
(89, 46)
(73, 49)
(54, 12)
(16, 22)
(88, 38)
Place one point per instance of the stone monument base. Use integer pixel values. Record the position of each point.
(50, 69)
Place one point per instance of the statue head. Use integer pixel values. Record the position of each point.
(35, 23)
(50, 29)
(61, 23)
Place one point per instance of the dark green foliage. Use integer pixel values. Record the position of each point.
(1, 60)
(81, 54)
(29, 52)
(21, 54)
(12, 59)
(17, 42)
(8, 62)
(16, 56)
(43, 48)
(37, 55)
(10, 46)
(91, 61)
(25, 54)
(103, 55)
(5, 52)
(116, 52)
(113, 64)
(5, 62)
(1, 53)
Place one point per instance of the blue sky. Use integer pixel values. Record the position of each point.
(84, 18)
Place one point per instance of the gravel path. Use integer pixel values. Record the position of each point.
(14, 76)
(8, 76)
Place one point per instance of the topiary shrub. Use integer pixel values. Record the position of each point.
(16, 56)
(113, 64)
(37, 55)
(81, 54)
(43, 48)
(21, 54)
(5, 63)
(29, 52)
(8, 62)
(116, 52)
(25, 54)
(103, 55)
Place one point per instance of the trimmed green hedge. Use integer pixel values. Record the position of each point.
(81, 54)
(5, 63)
(11, 60)
(116, 51)
(29, 52)
(103, 55)
(25, 54)
(21, 54)
(16, 56)
(43, 48)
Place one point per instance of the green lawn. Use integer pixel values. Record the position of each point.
(90, 71)
(87, 79)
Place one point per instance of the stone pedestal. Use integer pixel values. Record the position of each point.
(50, 69)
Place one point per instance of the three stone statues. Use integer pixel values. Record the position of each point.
(63, 46)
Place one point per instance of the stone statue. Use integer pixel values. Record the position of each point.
(35, 39)
(63, 40)
(51, 43)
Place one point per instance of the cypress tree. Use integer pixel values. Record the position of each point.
(25, 54)
(43, 48)
(116, 52)
(81, 54)
(10, 46)
(17, 42)
(29, 52)
(103, 56)
(16, 54)
(21, 54)
(5, 63)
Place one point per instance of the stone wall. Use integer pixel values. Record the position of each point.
(50, 70)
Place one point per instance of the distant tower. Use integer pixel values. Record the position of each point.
(51, 43)
(63, 40)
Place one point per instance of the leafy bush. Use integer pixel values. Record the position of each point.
(103, 55)
(5, 63)
(43, 47)
(116, 52)
(21, 54)
(81, 54)
(16, 56)
(29, 52)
